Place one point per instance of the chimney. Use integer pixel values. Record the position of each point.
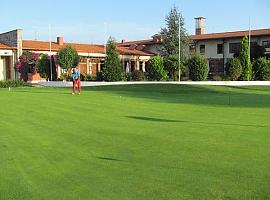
(123, 41)
(60, 41)
(200, 25)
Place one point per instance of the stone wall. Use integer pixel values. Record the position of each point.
(14, 39)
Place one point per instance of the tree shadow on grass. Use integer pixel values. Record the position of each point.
(191, 94)
(152, 119)
(42, 92)
(109, 159)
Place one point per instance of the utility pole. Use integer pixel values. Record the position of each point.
(249, 39)
(179, 42)
(50, 38)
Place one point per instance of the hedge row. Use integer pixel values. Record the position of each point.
(12, 83)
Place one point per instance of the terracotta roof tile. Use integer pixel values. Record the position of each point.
(45, 46)
(137, 42)
(81, 48)
(127, 51)
(3, 46)
(236, 34)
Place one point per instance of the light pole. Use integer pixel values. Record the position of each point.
(179, 42)
(50, 37)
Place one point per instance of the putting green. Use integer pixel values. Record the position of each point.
(143, 142)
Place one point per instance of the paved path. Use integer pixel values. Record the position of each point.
(220, 83)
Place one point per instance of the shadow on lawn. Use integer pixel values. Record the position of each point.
(42, 92)
(194, 122)
(109, 159)
(191, 94)
(153, 119)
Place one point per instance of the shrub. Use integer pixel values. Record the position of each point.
(138, 75)
(234, 69)
(217, 78)
(156, 70)
(126, 76)
(262, 69)
(12, 83)
(198, 68)
(171, 64)
(112, 66)
(245, 60)
(100, 76)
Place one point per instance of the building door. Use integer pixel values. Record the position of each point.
(8, 68)
(2, 69)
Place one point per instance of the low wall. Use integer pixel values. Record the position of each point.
(215, 83)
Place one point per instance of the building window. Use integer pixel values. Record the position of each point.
(219, 48)
(235, 48)
(192, 48)
(266, 44)
(202, 49)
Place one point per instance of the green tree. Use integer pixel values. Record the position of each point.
(234, 69)
(245, 60)
(68, 57)
(156, 71)
(198, 68)
(44, 68)
(262, 69)
(171, 64)
(112, 67)
(170, 45)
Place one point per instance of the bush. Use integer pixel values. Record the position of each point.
(234, 69)
(138, 75)
(198, 68)
(126, 77)
(100, 76)
(156, 70)
(112, 66)
(217, 78)
(262, 69)
(12, 83)
(245, 60)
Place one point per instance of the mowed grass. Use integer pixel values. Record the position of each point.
(143, 142)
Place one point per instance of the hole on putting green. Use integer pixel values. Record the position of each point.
(152, 119)
(109, 159)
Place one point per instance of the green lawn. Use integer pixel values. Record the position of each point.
(147, 142)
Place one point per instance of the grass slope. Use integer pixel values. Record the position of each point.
(144, 142)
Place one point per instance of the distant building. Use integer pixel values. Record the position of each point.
(216, 47)
(91, 56)
(219, 47)
(134, 55)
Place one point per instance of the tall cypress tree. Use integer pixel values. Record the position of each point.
(245, 60)
(170, 44)
(112, 66)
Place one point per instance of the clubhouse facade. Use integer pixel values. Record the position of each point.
(134, 55)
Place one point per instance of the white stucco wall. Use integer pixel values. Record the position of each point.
(211, 46)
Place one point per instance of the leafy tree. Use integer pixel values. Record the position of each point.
(112, 67)
(234, 69)
(27, 64)
(198, 68)
(262, 69)
(171, 64)
(245, 60)
(44, 67)
(68, 57)
(155, 69)
(170, 41)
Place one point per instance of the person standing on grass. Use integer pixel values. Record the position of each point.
(76, 80)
